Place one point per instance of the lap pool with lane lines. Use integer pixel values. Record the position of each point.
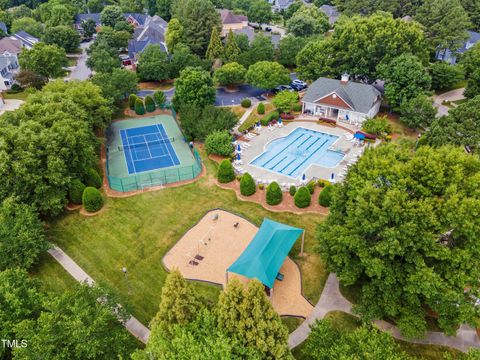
(293, 154)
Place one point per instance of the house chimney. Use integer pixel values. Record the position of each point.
(345, 79)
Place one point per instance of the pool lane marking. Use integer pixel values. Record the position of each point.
(273, 167)
(295, 158)
(285, 148)
(313, 153)
(309, 137)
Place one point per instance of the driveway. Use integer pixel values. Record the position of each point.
(81, 71)
(451, 96)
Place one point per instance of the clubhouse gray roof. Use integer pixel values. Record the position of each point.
(361, 97)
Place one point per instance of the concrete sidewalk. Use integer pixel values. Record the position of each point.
(332, 300)
(135, 327)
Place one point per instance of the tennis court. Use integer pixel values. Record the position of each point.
(147, 148)
(147, 152)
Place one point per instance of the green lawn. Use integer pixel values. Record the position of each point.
(136, 232)
(291, 322)
(22, 95)
(72, 61)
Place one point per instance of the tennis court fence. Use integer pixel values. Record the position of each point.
(158, 177)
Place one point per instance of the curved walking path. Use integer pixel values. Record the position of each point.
(332, 300)
(135, 327)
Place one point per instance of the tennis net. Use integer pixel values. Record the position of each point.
(146, 145)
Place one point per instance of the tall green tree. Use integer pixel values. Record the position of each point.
(63, 36)
(174, 34)
(198, 123)
(22, 237)
(153, 64)
(261, 49)
(288, 48)
(194, 87)
(230, 74)
(89, 27)
(259, 12)
(445, 21)
(110, 15)
(83, 328)
(267, 75)
(361, 43)
(459, 127)
(164, 9)
(325, 342)
(405, 78)
(183, 58)
(368, 7)
(29, 25)
(445, 76)
(44, 59)
(116, 85)
(103, 58)
(232, 50)
(198, 18)
(308, 21)
(402, 227)
(418, 112)
(215, 46)
(316, 59)
(20, 299)
(248, 316)
(473, 85)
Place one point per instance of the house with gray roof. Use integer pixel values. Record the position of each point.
(331, 12)
(152, 32)
(8, 69)
(342, 100)
(279, 5)
(136, 19)
(450, 56)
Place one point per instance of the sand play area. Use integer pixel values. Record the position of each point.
(211, 246)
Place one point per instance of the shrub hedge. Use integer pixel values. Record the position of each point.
(274, 194)
(76, 191)
(325, 197)
(323, 183)
(261, 109)
(92, 199)
(297, 107)
(131, 101)
(225, 172)
(247, 185)
(93, 178)
(246, 103)
(149, 103)
(139, 107)
(159, 98)
(269, 117)
(311, 187)
(302, 197)
(219, 143)
(292, 190)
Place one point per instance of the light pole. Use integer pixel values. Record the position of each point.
(124, 270)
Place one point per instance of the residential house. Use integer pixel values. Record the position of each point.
(8, 69)
(152, 32)
(450, 56)
(342, 100)
(136, 19)
(231, 21)
(331, 12)
(251, 33)
(279, 5)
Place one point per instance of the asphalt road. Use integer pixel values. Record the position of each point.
(81, 71)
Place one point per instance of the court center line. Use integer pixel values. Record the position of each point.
(148, 147)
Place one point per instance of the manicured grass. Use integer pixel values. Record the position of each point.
(136, 232)
(255, 117)
(238, 110)
(343, 321)
(291, 322)
(54, 278)
(72, 61)
(460, 102)
(155, 85)
(22, 95)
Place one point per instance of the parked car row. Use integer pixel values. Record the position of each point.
(295, 85)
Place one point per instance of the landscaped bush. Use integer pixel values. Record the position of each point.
(131, 101)
(292, 190)
(219, 143)
(76, 191)
(139, 107)
(261, 186)
(297, 107)
(93, 178)
(261, 109)
(246, 103)
(378, 126)
(323, 183)
(247, 185)
(92, 199)
(225, 172)
(302, 197)
(269, 117)
(159, 98)
(325, 197)
(16, 87)
(274, 194)
(149, 103)
(311, 186)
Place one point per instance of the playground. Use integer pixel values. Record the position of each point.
(220, 240)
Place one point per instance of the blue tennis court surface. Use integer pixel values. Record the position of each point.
(147, 148)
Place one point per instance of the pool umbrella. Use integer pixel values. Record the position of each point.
(304, 179)
(259, 124)
(238, 157)
(359, 136)
(279, 120)
(239, 148)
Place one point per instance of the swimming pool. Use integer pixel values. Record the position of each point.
(293, 154)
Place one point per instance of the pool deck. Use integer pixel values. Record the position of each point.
(258, 144)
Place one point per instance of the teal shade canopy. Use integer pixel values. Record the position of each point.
(264, 256)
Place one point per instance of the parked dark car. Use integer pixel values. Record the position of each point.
(268, 29)
(298, 85)
(281, 88)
